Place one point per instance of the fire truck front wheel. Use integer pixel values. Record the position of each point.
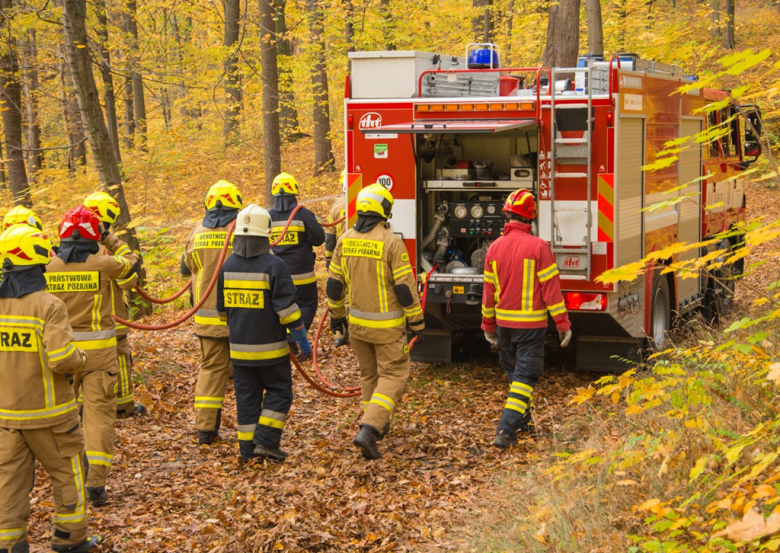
(719, 296)
(661, 312)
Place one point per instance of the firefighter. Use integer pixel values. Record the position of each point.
(521, 287)
(20, 214)
(256, 296)
(107, 210)
(201, 256)
(295, 249)
(81, 277)
(337, 211)
(38, 410)
(371, 266)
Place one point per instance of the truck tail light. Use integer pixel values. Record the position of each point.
(584, 301)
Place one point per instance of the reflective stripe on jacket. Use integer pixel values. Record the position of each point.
(521, 282)
(36, 350)
(85, 288)
(304, 233)
(369, 267)
(256, 296)
(201, 257)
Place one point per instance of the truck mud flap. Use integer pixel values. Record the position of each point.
(600, 354)
(436, 347)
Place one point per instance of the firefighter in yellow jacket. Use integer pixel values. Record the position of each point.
(81, 277)
(107, 210)
(337, 212)
(200, 260)
(371, 266)
(38, 411)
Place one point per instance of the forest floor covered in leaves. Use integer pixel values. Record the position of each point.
(439, 486)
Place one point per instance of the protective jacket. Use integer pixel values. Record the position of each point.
(337, 211)
(295, 249)
(119, 285)
(201, 258)
(373, 268)
(86, 290)
(37, 350)
(521, 282)
(256, 297)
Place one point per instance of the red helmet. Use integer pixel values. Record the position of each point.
(522, 203)
(80, 223)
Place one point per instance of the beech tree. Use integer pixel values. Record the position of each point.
(232, 76)
(271, 136)
(323, 154)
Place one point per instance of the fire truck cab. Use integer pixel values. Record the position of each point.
(451, 139)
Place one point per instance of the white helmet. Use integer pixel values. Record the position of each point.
(253, 220)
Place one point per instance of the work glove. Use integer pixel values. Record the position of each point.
(340, 330)
(301, 343)
(565, 336)
(419, 335)
(492, 338)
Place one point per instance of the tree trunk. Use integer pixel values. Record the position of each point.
(109, 96)
(31, 85)
(595, 28)
(10, 103)
(272, 141)
(388, 23)
(715, 31)
(729, 41)
(621, 10)
(563, 31)
(481, 26)
(3, 182)
(349, 27)
(510, 19)
(74, 22)
(288, 115)
(139, 105)
(323, 154)
(127, 92)
(77, 153)
(232, 77)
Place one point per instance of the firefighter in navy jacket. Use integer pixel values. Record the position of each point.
(256, 296)
(296, 247)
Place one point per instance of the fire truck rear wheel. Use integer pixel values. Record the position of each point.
(661, 312)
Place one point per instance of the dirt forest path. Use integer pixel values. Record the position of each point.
(169, 494)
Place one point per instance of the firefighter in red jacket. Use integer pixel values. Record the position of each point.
(521, 287)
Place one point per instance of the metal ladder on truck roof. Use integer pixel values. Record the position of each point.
(571, 151)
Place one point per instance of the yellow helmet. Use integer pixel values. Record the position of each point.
(24, 246)
(224, 194)
(375, 199)
(21, 215)
(104, 206)
(284, 183)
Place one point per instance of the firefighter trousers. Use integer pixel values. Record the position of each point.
(98, 389)
(306, 296)
(263, 398)
(212, 379)
(125, 402)
(521, 355)
(384, 372)
(60, 450)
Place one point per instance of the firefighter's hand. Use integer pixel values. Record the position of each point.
(492, 338)
(565, 336)
(418, 335)
(338, 326)
(301, 343)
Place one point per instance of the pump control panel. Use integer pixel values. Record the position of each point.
(476, 220)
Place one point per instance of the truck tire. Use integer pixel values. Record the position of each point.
(660, 312)
(719, 296)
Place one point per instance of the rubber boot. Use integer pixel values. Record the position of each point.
(21, 547)
(138, 409)
(504, 440)
(268, 453)
(206, 438)
(92, 543)
(366, 442)
(385, 432)
(98, 496)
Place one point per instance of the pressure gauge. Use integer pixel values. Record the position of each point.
(477, 211)
(461, 211)
(491, 209)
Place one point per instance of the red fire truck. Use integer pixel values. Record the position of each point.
(451, 141)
